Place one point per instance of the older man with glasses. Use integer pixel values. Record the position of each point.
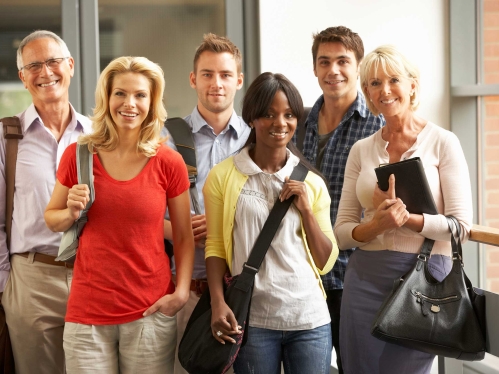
(35, 287)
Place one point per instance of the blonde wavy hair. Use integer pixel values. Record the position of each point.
(105, 135)
(393, 63)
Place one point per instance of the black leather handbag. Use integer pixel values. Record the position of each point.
(443, 318)
(199, 352)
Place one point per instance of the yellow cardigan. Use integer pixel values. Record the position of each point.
(221, 192)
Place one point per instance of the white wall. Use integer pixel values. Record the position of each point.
(419, 28)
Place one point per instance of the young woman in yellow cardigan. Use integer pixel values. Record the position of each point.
(289, 319)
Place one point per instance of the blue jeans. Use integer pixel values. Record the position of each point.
(301, 351)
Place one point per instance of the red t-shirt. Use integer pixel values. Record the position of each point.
(121, 267)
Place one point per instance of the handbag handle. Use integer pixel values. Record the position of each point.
(262, 244)
(457, 251)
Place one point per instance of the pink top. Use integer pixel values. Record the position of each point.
(447, 173)
(121, 267)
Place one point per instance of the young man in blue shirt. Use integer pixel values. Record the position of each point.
(218, 132)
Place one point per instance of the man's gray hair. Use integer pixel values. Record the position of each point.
(40, 34)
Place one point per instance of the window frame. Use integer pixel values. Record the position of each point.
(80, 31)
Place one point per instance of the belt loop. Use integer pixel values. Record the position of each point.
(31, 257)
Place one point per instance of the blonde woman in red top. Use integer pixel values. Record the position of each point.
(122, 306)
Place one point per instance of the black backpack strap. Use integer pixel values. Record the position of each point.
(302, 129)
(12, 132)
(182, 136)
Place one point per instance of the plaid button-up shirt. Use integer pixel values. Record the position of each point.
(357, 123)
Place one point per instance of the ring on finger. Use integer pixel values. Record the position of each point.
(219, 333)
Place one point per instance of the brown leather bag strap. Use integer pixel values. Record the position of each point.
(12, 132)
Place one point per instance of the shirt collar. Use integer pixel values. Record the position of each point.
(359, 105)
(313, 116)
(246, 165)
(235, 122)
(31, 116)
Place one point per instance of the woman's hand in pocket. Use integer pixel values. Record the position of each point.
(169, 305)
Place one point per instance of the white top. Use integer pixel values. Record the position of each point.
(38, 157)
(447, 173)
(287, 293)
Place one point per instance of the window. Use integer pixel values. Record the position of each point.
(18, 18)
(166, 32)
(490, 131)
(474, 67)
(96, 31)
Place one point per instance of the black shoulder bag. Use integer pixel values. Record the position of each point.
(443, 318)
(199, 352)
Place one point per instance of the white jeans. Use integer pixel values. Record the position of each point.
(143, 346)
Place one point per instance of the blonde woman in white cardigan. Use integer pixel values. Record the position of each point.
(387, 236)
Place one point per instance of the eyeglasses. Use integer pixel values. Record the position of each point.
(36, 67)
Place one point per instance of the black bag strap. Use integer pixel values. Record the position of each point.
(426, 248)
(457, 251)
(182, 136)
(262, 244)
(302, 129)
(12, 132)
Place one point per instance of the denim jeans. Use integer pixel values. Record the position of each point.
(301, 351)
(334, 305)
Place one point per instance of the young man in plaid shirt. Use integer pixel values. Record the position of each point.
(336, 121)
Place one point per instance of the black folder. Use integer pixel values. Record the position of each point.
(411, 185)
